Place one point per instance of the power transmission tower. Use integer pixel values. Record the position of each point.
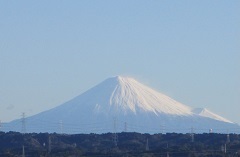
(49, 144)
(228, 138)
(167, 154)
(222, 148)
(115, 137)
(61, 126)
(125, 127)
(147, 146)
(162, 128)
(192, 134)
(23, 151)
(210, 131)
(167, 151)
(23, 123)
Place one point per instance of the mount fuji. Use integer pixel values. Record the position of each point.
(123, 104)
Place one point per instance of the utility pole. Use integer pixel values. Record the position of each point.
(147, 146)
(0, 125)
(23, 151)
(225, 148)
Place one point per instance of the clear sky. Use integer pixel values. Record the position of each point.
(52, 51)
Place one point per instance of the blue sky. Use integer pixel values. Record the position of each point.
(51, 51)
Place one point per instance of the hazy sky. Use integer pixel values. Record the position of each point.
(52, 51)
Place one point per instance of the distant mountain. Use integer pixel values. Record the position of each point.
(123, 104)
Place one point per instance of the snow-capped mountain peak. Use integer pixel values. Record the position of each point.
(129, 94)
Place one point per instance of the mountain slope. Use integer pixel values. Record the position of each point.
(123, 104)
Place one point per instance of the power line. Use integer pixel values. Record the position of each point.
(100, 127)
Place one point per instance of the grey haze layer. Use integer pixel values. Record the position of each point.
(123, 104)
